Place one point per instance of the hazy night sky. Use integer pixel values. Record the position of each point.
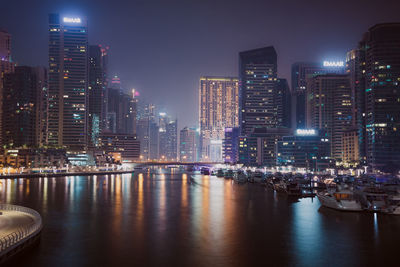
(161, 48)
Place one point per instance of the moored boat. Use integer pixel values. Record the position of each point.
(240, 177)
(341, 199)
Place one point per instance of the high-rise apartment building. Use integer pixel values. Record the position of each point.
(167, 138)
(302, 72)
(172, 140)
(355, 68)
(258, 78)
(97, 93)
(219, 108)
(231, 145)
(6, 66)
(187, 145)
(382, 94)
(330, 107)
(283, 101)
(68, 82)
(25, 107)
(121, 112)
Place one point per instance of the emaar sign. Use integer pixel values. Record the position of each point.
(72, 20)
(306, 132)
(333, 63)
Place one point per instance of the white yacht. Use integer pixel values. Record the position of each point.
(341, 199)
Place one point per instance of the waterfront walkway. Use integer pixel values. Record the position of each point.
(19, 227)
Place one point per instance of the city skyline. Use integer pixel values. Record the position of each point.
(132, 60)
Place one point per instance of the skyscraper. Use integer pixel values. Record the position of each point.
(283, 101)
(187, 147)
(167, 138)
(68, 82)
(97, 93)
(172, 140)
(302, 72)
(231, 145)
(219, 108)
(330, 107)
(355, 68)
(5, 45)
(6, 66)
(258, 76)
(25, 108)
(382, 94)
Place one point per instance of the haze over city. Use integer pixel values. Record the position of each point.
(199, 133)
(161, 48)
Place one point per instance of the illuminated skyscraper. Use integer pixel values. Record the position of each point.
(97, 93)
(68, 82)
(25, 107)
(382, 94)
(355, 68)
(330, 107)
(6, 66)
(258, 78)
(219, 108)
(302, 72)
(187, 147)
(167, 138)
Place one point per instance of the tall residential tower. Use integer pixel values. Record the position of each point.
(68, 82)
(219, 108)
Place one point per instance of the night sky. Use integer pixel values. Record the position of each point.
(162, 47)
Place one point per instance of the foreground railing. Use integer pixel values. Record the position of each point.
(23, 232)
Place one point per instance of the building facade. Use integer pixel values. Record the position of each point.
(302, 72)
(382, 94)
(24, 112)
(258, 81)
(68, 82)
(330, 108)
(6, 66)
(260, 147)
(307, 150)
(350, 148)
(231, 145)
(219, 108)
(124, 146)
(187, 145)
(97, 91)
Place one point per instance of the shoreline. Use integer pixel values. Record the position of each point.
(58, 174)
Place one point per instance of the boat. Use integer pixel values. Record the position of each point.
(342, 199)
(228, 174)
(373, 198)
(220, 173)
(205, 171)
(393, 205)
(240, 177)
(257, 177)
(292, 188)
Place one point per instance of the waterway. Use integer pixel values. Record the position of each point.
(166, 217)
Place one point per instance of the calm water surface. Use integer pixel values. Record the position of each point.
(172, 218)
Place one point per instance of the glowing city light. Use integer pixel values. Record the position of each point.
(72, 20)
(333, 63)
(305, 132)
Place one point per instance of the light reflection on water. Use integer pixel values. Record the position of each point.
(164, 216)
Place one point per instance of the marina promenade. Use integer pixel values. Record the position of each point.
(19, 227)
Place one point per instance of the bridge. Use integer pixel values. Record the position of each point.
(174, 163)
